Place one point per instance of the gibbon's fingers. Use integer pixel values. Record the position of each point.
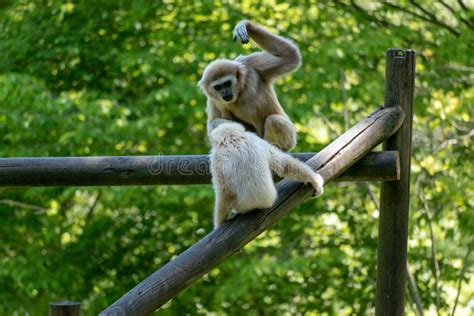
(244, 35)
(240, 35)
(235, 33)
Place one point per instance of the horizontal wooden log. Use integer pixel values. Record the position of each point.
(141, 170)
(229, 238)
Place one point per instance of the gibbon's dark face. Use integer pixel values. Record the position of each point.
(225, 88)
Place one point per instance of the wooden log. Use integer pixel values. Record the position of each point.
(141, 170)
(221, 243)
(65, 308)
(394, 197)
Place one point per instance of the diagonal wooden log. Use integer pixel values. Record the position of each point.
(150, 170)
(221, 243)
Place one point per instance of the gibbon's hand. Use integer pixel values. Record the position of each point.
(240, 32)
(317, 182)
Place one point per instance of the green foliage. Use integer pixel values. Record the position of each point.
(119, 78)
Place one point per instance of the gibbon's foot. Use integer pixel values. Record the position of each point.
(223, 200)
(240, 32)
(279, 131)
(318, 185)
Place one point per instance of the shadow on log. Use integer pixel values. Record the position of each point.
(223, 242)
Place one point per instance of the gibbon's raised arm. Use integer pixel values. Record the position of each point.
(280, 55)
(241, 90)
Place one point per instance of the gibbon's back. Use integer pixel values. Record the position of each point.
(240, 159)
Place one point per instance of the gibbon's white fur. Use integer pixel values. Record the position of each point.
(241, 90)
(241, 168)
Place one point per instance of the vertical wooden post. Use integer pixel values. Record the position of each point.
(65, 308)
(394, 196)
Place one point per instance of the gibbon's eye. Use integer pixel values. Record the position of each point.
(217, 87)
(227, 83)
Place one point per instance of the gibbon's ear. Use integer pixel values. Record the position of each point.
(201, 84)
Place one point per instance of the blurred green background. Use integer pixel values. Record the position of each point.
(87, 78)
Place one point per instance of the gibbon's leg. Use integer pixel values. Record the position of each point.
(291, 168)
(223, 207)
(279, 131)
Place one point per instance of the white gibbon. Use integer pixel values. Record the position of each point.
(242, 89)
(241, 168)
